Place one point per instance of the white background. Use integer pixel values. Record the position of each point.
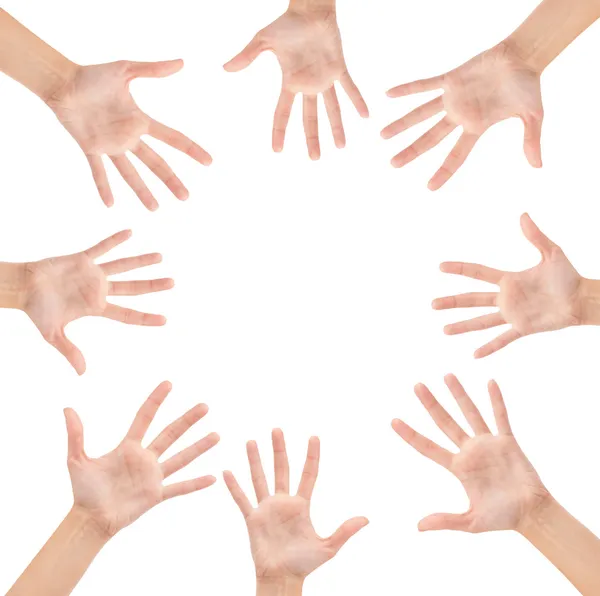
(302, 297)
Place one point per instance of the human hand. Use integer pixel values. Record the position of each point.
(308, 46)
(116, 489)
(97, 109)
(63, 289)
(545, 298)
(283, 540)
(502, 485)
(494, 86)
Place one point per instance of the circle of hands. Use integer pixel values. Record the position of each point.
(63, 289)
(492, 87)
(546, 297)
(97, 109)
(308, 47)
(502, 485)
(284, 542)
(116, 489)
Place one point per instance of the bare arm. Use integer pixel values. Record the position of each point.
(12, 284)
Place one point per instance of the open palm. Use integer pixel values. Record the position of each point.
(502, 485)
(309, 49)
(97, 108)
(119, 487)
(544, 298)
(490, 88)
(63, 289)
(283, 540)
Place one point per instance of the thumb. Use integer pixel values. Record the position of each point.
(247, 56)
(536, 236)
(345, 532)
(154, 69)
(533, 140)
(69, 350)
(446, 521)
(74, 433)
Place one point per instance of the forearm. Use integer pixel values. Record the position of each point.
(312, 5)
(279, 587)
(552, 26)
(29, 60)
(589, 302)
(567, 544)
(12, 285)
(63, 560)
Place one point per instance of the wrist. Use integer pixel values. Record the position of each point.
(86, 527)
(588, 302)
(312, 6)
(523, 53)
(539, 517)
(279, 586)
(13, 285)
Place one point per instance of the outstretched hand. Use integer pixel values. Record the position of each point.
(502, 485)
(63, 289)
(308, 47)
(119, 487)
(490, 88)
(97, 108)
(546, 297)
(283, 540)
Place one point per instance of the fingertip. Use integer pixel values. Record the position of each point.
(435, 304)
(432, 186)
(448, 330)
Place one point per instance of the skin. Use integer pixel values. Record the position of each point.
(306, 40)
(285, 546)
(504, 490)
(111, 492)
(550, 296)
(60, 290)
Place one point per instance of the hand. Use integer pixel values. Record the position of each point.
(63, 289)
(492, 87)
(283, 541)
(119, 487)
(309, 49)
(544, 298)
(98, 110)
(502, 486)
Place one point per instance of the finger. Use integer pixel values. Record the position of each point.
(417, 87)
(189, 486)
(101, 180)
(332, 105)
(176, 429)
(179, 141)
(456, 158)
(130, 263)
(188, 455)
(239, 496)
(311, 126)
(467, 407)
(154, 69)
(476, 324)
(256, 470)
(497, 344)
(424, 446)
(473, 299)
(68, 349)
(75, 434)
(131, 176)
(354, 94)
(428, 141)
(282, 117)
(499, 408)
(446, 521)
(421, 114)
(111, 242)
(492, 276)
(132, 317)
(440, 416)
(138, 287)
(147, 412)
(282, 466)
(345, 532)
(536, 236)
(311, 469)
(247, 56)
(532, 144)
(162, 169)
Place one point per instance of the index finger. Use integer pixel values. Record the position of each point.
(480, 272)
(417, 87)
(147, 412)
(108, 244)
(311, 469)
(179, 141)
